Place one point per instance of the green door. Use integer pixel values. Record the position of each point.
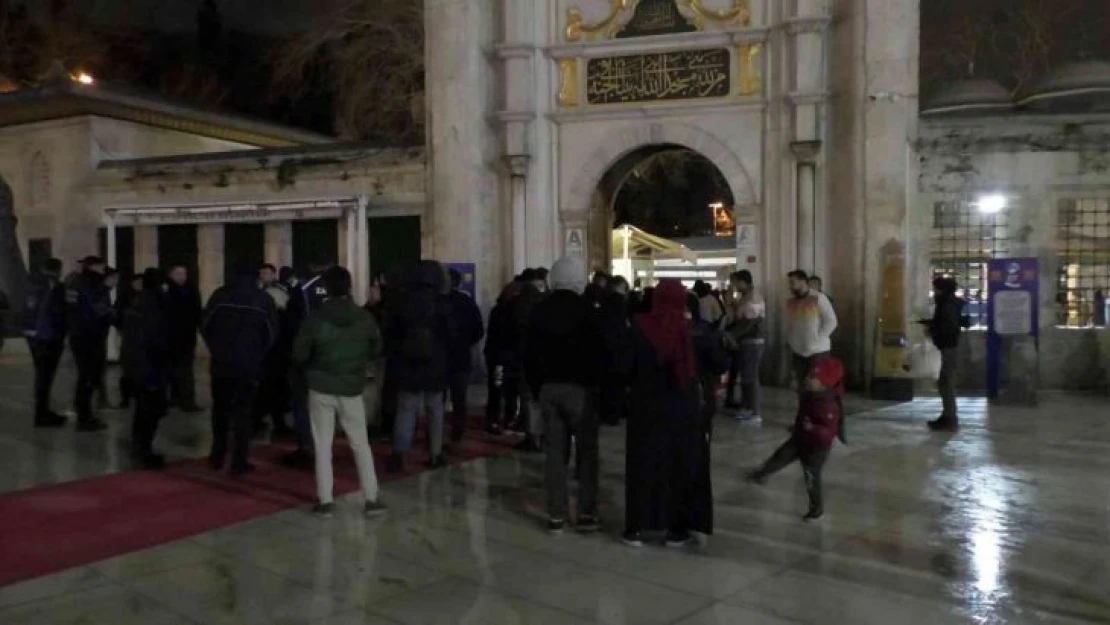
(394, 242)
(244, 248)
(315, 242)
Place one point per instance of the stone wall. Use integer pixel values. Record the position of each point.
(1035, 161)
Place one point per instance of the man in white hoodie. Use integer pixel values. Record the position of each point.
(810, 322)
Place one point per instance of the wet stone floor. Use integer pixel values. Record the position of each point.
(1007, 522)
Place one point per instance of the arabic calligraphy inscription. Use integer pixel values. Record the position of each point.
(682, 75)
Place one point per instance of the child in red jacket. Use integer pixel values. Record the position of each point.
(815, 427)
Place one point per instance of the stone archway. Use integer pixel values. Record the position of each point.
(586, 205)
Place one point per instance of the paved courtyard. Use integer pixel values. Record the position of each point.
(1007, 522)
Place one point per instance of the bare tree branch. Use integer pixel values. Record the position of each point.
(370, 53)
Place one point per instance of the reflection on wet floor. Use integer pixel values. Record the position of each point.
(1006, 522)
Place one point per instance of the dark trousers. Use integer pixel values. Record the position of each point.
(614, 402)
(182, 383)
(273, 397)
(126, 390)
(232, 399)
(813, 461)
(946, 382)
(458, 387)
(568, 413)
(503, 399)
(388, 407)
(46, 356)
(90, 357)
(708, 385)
(150, 407)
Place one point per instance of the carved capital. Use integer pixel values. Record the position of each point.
(806, 151)
(517, 164)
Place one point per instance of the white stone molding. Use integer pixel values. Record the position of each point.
(652, 111)
(800, 98)
(514, 50)
(615, 145)
(660, 43)
(799, 25)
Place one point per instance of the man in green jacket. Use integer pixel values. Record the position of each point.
(335, 348)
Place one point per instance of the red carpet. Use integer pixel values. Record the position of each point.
(50, 529)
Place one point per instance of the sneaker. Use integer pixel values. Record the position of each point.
(374, 509)
(527, 445)
(493, 430)
(813, 515)
(679, 540)
(91, 424)
(437, 462)
(755, 477)
(193, 409)
(747, 416)
(945, 424)
(732, 405)
(587, 524)
(324, 510)
(51, 420)
(632, 539)
(555, 526)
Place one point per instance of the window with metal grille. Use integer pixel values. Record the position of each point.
(1083, 251)
(963, 239)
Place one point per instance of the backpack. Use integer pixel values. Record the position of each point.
(419, 344)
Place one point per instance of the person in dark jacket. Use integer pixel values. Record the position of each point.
(532, 292)
(611, 308)
(304, 298)
(145, 357)
(667, 482)
(945, 328)
(124, 298)
(111, 284)
(240, 327)
(816, 425)
(89, 313)
(566, 351)
(183, 308)
(335, 348)
(273, 396)
(503, 396)
(469, 331)
(713, 360)
(44, 326)
(421, 335)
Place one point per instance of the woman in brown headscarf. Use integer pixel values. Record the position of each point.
(667, 485)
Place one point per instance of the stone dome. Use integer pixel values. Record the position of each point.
(969, 97)
(1076, 86)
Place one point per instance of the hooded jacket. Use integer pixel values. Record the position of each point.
(145, 346)
(240, 327)
(565, 342)
(336, 346)
(418, 312)
(89, 309)
(819, 413)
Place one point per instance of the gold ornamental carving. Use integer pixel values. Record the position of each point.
(739, 14)
(568, 82)
(751, 77)
(577, 28)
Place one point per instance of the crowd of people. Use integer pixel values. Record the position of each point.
(563, 358)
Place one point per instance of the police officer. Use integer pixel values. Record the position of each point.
(90, 315)
(44, 327)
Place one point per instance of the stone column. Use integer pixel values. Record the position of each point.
(806, 152)
(279, 243)
(463, 162)
(871, 182)
(210, 257)
(518, 221)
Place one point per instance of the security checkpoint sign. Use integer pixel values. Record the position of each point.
(575, 244)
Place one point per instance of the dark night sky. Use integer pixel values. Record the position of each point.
(276, 16)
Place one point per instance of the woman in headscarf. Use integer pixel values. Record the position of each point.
(667, 485)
